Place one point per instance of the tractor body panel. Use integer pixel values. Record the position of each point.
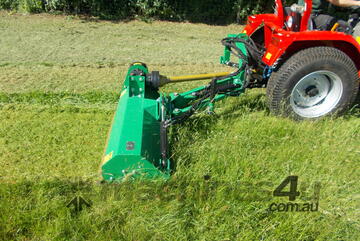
(278, 40)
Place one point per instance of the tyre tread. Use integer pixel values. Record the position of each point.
(276, 85)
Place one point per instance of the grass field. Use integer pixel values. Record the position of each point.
(59, 83)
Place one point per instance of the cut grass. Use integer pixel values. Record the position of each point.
(55, 54)
(32, 40)
(37, 139)
(84, 79)
(56, 108)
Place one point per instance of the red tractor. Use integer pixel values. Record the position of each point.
(309, 72)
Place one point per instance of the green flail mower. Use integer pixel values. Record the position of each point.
(309, 72)
(137, 145)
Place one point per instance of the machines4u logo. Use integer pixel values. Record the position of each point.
(292, 194)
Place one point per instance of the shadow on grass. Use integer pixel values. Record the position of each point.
(211, 21)
(98, 19)
(201, 126)
(245, 105)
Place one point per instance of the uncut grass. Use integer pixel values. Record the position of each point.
(51, 153)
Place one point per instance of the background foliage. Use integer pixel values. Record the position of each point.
(209, 11)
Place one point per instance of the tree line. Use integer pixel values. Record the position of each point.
(206, 11)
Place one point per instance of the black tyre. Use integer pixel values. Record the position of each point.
(313, 83)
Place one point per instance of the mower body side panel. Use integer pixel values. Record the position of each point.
(133, 147)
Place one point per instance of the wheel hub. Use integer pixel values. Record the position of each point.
(311, 91)
(316, 94)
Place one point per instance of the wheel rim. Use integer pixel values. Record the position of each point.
(316, 94)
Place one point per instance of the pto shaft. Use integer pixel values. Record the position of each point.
(155, 80)
(196, 77)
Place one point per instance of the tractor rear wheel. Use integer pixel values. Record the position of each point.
(313, 83)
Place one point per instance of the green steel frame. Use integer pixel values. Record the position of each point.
(136, 142)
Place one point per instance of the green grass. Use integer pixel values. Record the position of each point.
(58, 54)
(56, 107)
